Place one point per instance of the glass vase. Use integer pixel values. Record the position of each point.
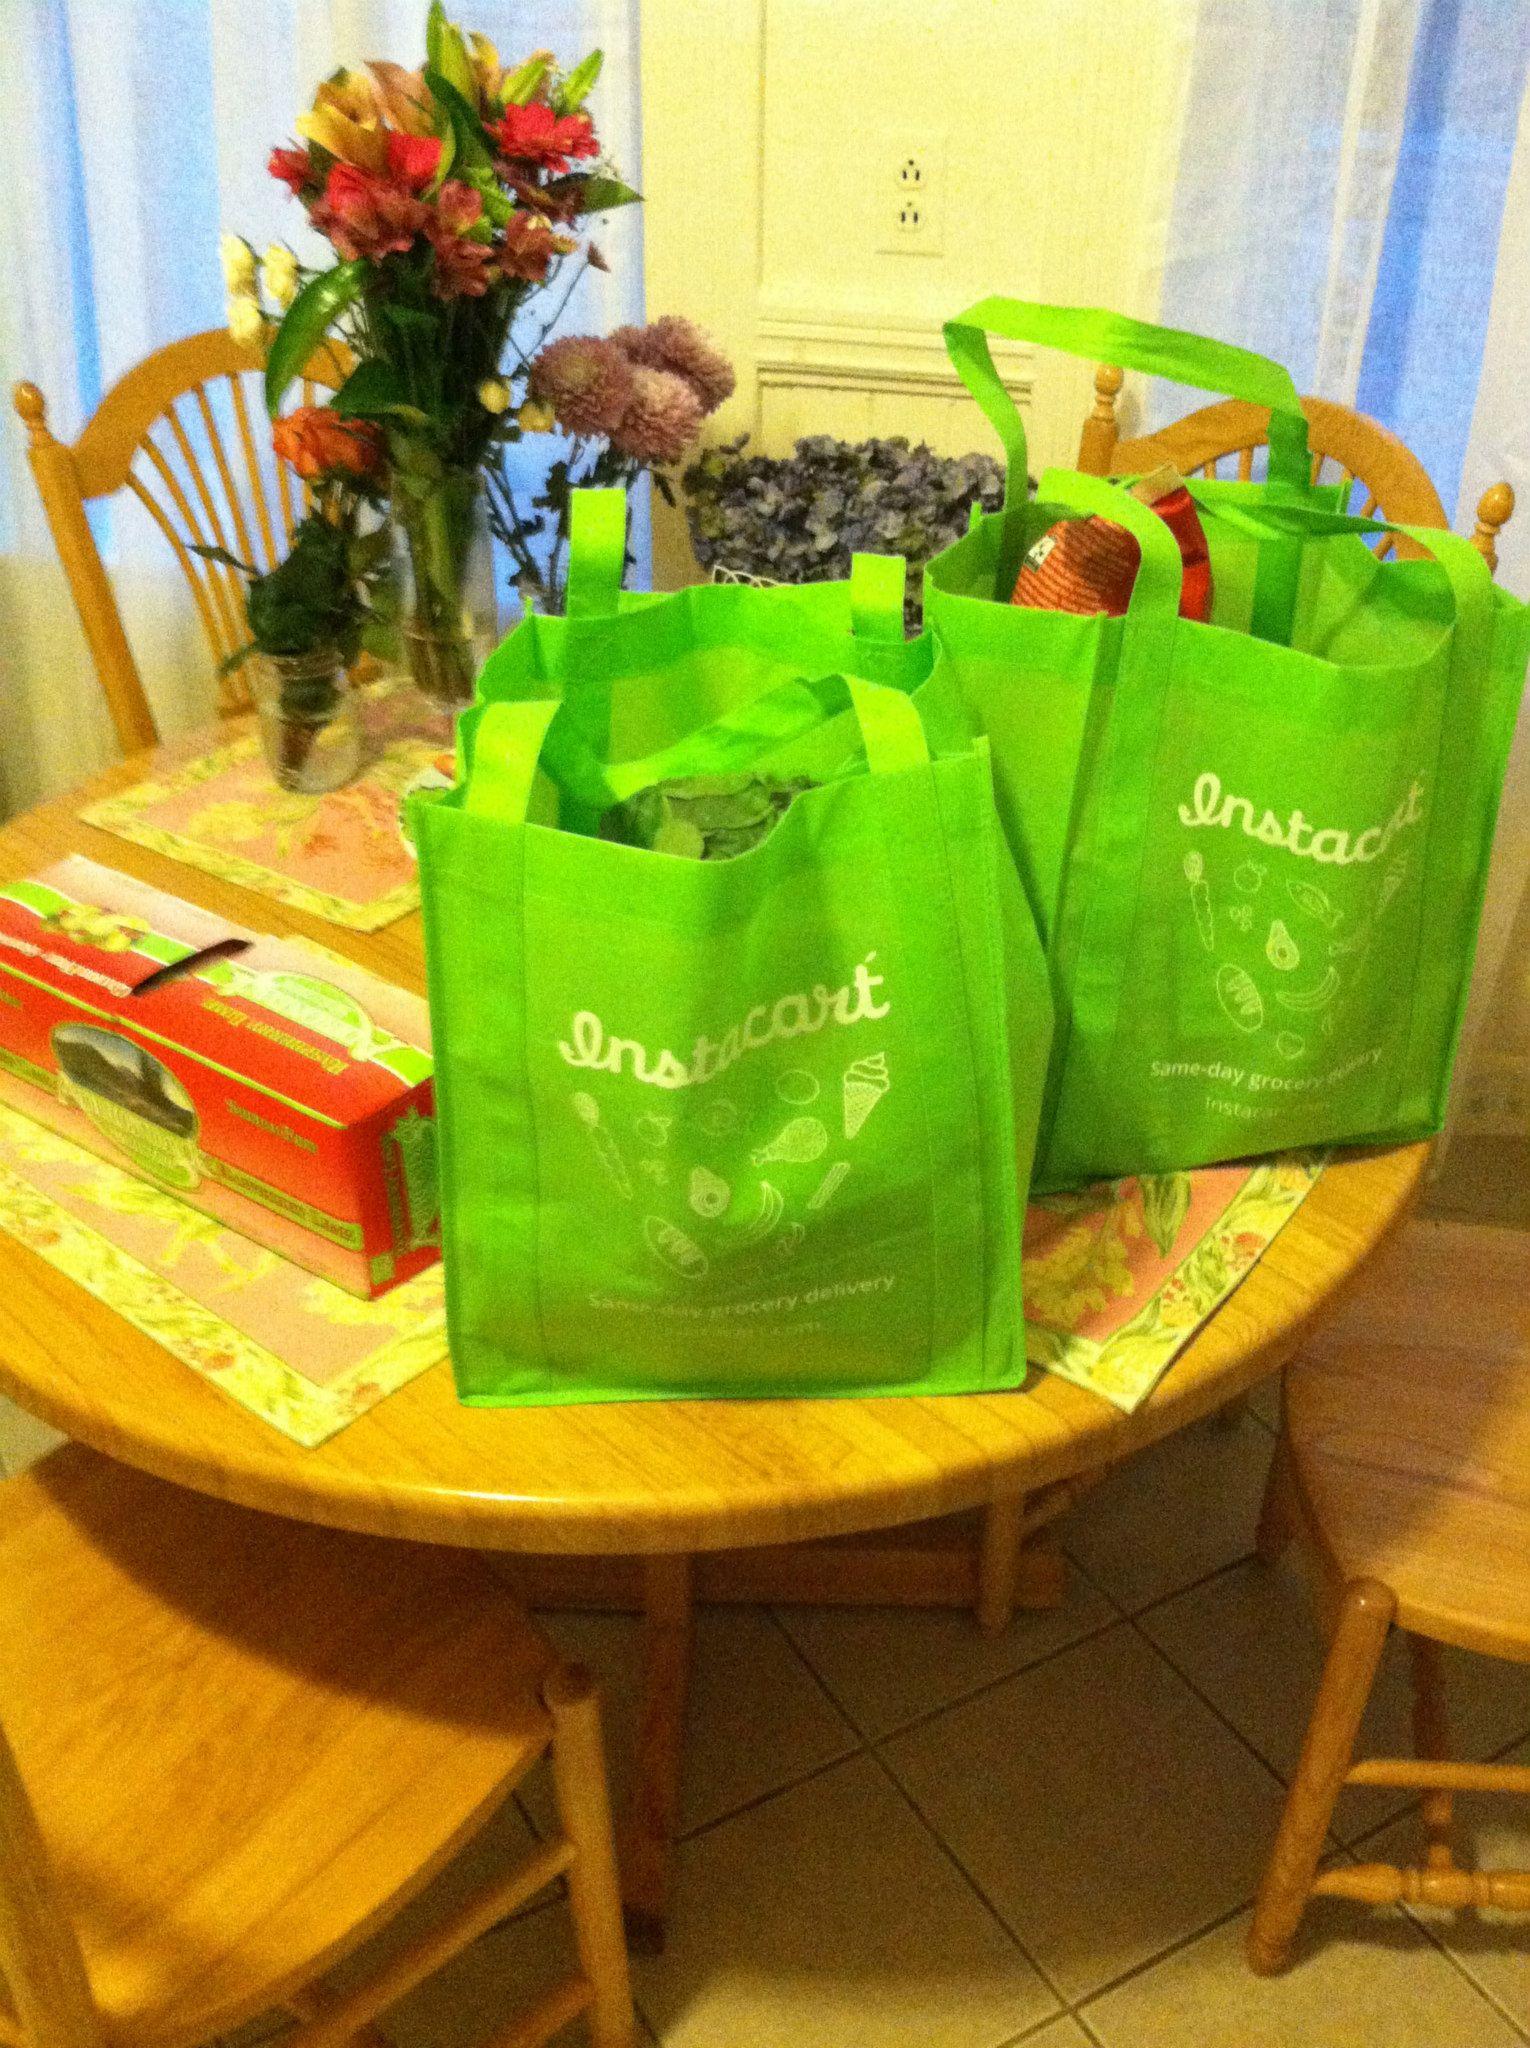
(444, 566)
(309, 723)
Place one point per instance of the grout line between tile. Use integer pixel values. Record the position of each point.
(818, 1770)
(927, 1714)
(1210, 1705)
(970, 1881)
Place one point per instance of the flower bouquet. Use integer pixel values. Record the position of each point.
(451, 196)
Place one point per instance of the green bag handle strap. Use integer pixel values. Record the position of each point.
(1470, 579)
(1162, 569)
(877, 586)
(597, 552)
(514, 740)
(1104, 337)
(506, 756)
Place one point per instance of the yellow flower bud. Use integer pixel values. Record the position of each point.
(537, 416)
(494, 394)
(246, 323)
(238, 260)
(280, 269)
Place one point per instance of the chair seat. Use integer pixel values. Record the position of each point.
(247, 1740)
(1414, 1464)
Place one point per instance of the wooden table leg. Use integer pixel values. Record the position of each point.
(649, 1834)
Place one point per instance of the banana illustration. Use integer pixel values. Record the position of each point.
(772, 1204)
(1318, 997)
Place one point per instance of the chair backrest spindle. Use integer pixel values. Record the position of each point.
(140, 441)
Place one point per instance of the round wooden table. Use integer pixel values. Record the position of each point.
(655, 1504)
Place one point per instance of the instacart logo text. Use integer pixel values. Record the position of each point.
(1209, 805)
(793, 1016)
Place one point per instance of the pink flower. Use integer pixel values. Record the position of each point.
(681, 347)
(528, 246)
(663, 419)
(413, 159)
(464, 267)
(534, 134)
(364, 215)
(587, 382)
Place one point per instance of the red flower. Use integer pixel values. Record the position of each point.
(529, 247)
(292, 167)
(464, 268)
(413, 159)
(366, 216)
(536, 135)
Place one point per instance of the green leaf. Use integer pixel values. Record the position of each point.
(1165, 1205)
(211, 554)
(521, 86)
(471, 143)
(308, 319)
(601, 194)
(575, 89)
(446, 52)
(371, 387)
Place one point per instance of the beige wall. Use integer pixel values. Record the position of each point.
(772, 131)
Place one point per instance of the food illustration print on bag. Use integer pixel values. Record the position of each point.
(754, 1173)
(1301, 953)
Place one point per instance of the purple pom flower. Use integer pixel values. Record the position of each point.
(680, 347)
(662, 420)
(587, 381)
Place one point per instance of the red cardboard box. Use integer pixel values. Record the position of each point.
(284, 1092)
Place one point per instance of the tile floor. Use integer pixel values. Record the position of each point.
(900, 1835)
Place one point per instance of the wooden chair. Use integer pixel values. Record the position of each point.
(184, 432)
(1404, 1468)
(1363, 453)
(237, 1745)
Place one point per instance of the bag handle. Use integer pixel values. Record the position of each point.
(877, 588)
(514, 740)
(597, 552)
(1104, 337)
(1470, 579)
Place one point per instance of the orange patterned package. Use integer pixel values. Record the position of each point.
(1090, 565)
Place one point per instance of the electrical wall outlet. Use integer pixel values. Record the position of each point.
(908, 193)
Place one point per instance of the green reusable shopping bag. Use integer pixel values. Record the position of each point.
(1030, 678)
(732, 1127)
(685, 658)
(1258, 846)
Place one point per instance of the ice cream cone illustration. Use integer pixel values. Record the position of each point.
(866, 1082)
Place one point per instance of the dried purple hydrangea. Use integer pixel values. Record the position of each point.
(662, 420)
(586, 380)
(680, 346)
(800, 518)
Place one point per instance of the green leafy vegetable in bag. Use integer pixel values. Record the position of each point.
(703, 817)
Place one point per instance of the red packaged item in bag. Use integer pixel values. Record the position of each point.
(1090, 565)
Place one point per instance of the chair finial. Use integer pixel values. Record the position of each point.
(1495, 508)
(1108, 380)
(33, 408)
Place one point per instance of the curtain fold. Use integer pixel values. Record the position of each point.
(138, 132)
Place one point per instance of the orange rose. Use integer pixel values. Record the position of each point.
(316, 441)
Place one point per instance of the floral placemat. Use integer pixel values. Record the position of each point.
(339, 856)
(1119, 1277)
(294, 1349)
